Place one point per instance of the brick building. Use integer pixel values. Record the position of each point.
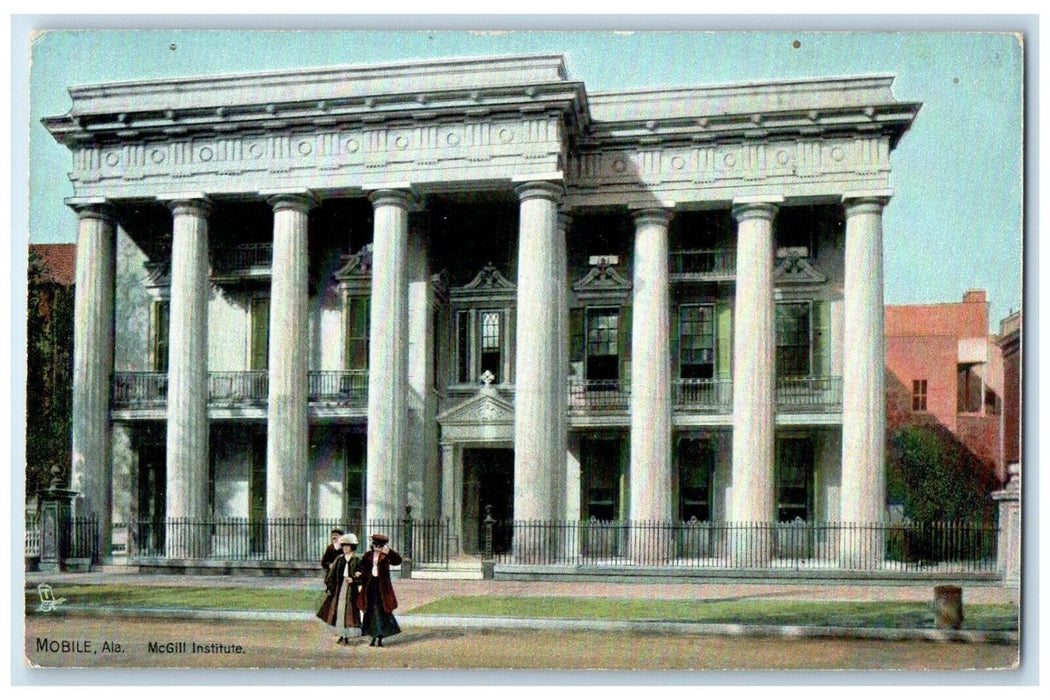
(944, 368)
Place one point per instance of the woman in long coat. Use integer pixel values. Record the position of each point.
(340, 608)
(377, 597)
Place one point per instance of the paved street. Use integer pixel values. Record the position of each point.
(241, 644)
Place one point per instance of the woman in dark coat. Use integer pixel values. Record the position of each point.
(377, 597)
(340, 608)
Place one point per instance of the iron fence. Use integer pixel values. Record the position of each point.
(140, 389)
(241, 258)
(83, 540)
(948, 547)
(296, 540)
(248, 387)
(32, 542)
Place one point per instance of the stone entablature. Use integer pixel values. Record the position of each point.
(448, 124)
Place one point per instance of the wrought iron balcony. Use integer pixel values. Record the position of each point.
(145, 390)
(339, 387)
(707, 395)
(238, 388)
(140, 389)
(242, 258)
(809, 394)
(695, 265)
(599, 395)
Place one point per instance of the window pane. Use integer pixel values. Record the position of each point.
(794, 478)
(696, 341)
(792, 331)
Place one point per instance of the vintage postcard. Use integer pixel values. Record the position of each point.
(524, 350)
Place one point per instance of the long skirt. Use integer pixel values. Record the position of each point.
(346, 596)
(378, 622)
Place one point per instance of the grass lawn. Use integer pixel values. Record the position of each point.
(779, 612)
(774, 612)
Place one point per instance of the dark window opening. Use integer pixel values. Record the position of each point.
(918, 395)
(603, 342)
(794, 479)
(696, 341)
(696, 463)
(793, 339)
(492, 343)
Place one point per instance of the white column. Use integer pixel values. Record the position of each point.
(539, 391)
(650, 476)
(420, 373)
(91, 470)
(388, 356)
(187, 428)
(863, 494)
(754, 383)
(287, 433)
(561, 301)
(450, 495)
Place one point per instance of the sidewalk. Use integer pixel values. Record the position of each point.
(415, 592)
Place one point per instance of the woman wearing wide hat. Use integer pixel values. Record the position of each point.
(340, 608)
(377, 597)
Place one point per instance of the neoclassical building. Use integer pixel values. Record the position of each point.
(331, 293)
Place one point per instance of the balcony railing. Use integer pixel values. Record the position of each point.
(239, 388)
(713, 395)
(809, 394)
(703, 264)
(142, 390)
(344, 387)
(599, 395)
(226, 260)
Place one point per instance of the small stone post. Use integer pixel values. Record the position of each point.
(406, 555)
(947, 606)
(488, 564)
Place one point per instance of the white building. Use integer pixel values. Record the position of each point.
(331, 293)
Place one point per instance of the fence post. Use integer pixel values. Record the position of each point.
(406, 556)
(1008, 547)
(488, 564)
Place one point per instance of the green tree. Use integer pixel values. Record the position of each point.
(49, 375)
(935, 477)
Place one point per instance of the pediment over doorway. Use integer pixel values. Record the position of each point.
(486, 408)
(799, 271)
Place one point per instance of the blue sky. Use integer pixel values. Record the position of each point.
(954, 222)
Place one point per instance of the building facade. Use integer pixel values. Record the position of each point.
(332, 293)
(945, 369)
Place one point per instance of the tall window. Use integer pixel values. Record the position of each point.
(161, 313)
(794, 479)
(357, 325)
(603, 342)
(492, 343)
(354, 480)
(793, 339)
(601, 471)
(969, 389)
(696, 341)
(696, 461)
(918, 395)
(480, 345)
(260, 332)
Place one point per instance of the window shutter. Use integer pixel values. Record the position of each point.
(821, 338)
(625, 343)
(724, 340)
(260, 313)
(676, 333)
(576, 341)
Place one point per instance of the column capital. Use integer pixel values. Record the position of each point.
(393, 196)
(91, 207)
(746, 208)
(540, 189)
(652, 215)
(866, 202)
(196, 203)
(296, 199)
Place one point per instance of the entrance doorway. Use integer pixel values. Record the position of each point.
(151, 488)
(488, 479)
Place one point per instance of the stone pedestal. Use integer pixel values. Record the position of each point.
(539, 385)
(287, 434)
(186, 496)
(1009, 544)
(754, 385)
(93, 361)
(387, 358)
(863, 494)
